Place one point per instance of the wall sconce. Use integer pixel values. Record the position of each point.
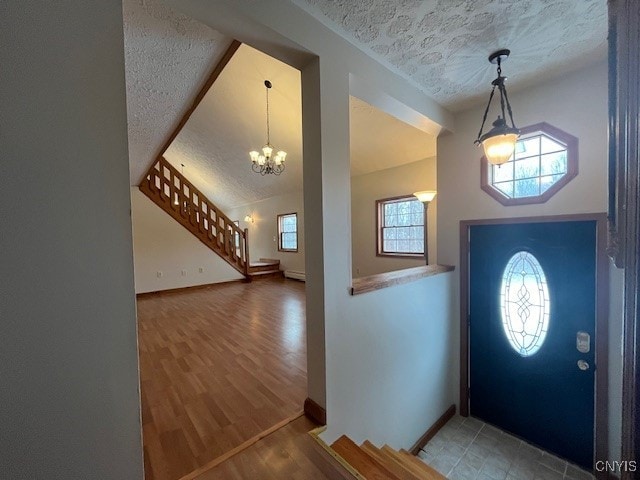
(248, 219)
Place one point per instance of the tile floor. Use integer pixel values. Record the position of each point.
(468, 449)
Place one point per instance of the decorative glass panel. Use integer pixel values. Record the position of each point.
(525, 304)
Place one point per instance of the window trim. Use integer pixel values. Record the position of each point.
(572, 167)
(280, 249)
(379, 243)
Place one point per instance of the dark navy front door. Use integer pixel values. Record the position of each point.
(532, 332)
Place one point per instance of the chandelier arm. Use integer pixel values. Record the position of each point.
(508, 107)
(484, 117)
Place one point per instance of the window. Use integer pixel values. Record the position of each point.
(288, 232)
(525, 305)
(400, 226)
(545, 160)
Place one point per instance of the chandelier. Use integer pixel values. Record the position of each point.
(499, 143)
(265, 163)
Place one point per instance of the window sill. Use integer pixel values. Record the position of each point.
(398, 277)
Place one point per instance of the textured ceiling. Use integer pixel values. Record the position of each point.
(167, 56)
(442, 46)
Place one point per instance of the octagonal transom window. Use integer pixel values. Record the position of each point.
(544, 161)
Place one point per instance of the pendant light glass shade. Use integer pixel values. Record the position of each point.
(499, 143)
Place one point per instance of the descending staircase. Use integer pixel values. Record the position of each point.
(172, 192)
(372, 463)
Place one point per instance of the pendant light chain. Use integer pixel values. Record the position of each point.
(268, 138)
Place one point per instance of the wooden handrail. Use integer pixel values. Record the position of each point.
(177, 196)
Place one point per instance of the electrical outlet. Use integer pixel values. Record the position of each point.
(184, 273)
(159, 274)
(200, 270)
(274, 239)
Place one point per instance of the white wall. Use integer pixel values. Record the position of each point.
(576, 103)
(263, 233)
(161, 244)
(392, 182)
(390, 363)
(69, 401)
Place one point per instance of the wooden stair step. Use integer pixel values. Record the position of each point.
(414, 464)
(398, 469)
(361, 461)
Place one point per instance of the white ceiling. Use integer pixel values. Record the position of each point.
(380, 141)
(167, 57)
(442, 46)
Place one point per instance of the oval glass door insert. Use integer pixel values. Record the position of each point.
(524, 302)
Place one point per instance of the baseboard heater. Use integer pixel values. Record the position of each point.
(295, 275)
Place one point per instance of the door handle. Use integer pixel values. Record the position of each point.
(583, 365)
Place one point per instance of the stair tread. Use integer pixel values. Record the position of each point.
(407, 460)
(264, 272)
(432, 472)
(360, 460)
(263, 264)
(389, 462)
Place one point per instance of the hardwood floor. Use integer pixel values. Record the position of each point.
(218, 366)
(289, 453)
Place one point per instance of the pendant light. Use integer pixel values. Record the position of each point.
(499, 143)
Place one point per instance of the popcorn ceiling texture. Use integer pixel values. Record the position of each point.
(441, 46)
(167, 58)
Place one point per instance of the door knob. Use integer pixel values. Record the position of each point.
(583, 365)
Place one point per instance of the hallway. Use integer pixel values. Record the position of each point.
(218, 366)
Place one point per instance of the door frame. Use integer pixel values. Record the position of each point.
(601, 421)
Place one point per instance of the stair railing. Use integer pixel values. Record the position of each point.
(172, 192)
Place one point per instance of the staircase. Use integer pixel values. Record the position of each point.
(372, 463)
(265, 268)
(171, 191)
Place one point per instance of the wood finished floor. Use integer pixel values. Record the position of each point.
(289, 453)
(218, 366)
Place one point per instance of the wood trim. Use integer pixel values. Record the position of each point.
(213, 76)
(348, 469)
(397, 277)
(572, 167)
(226, 456)
(433, 429)
(315, 412)
(601, 424)
(185, 289)
(624, 203)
